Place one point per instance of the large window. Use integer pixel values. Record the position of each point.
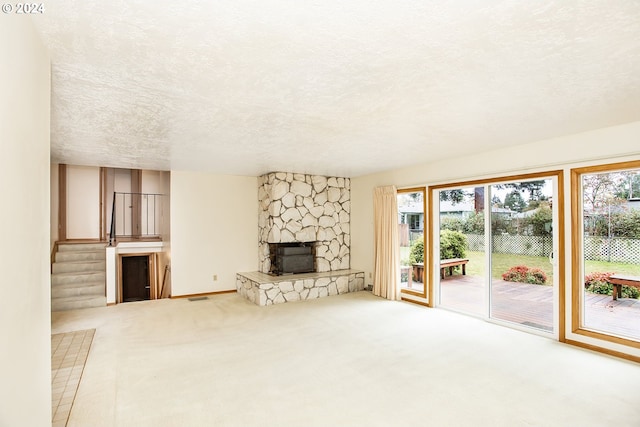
(411, 234)
(606, 245)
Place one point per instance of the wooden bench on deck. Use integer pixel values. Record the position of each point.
(452, 262)
(619, 280)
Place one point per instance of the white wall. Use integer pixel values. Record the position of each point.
(214, 230)
(83, 202)
(25, 326)
(608, 145)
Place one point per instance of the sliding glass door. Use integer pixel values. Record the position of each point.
(497, 245)
(522, 253)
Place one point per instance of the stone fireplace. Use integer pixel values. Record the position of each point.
(309, 215)
(305, 208)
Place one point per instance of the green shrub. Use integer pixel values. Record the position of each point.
(453, 244)
(524, 274)
(596, 283)
(449, 222)
(417, 252)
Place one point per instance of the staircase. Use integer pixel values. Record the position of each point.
(78, 276)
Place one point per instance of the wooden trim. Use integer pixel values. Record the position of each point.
(430, 268)
(577, 260)
(62, 202)
(109, 304)
(152, 262)
(422, 190)
(608, 167)
(414, 293)
(232, 291)
(425, 304)
(597, 349)
(488, 181)
(607, 337)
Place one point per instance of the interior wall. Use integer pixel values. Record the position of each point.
(25, 306)
(214, 230)
(151, 182)
(83, 202)
(607, 145)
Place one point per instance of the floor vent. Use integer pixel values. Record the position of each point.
(197, 298)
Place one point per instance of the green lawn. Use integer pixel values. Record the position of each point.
(502, 263)
(611, 267)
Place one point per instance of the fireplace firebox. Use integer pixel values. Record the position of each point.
(291, 258)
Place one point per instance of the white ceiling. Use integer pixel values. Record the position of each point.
(330, 87)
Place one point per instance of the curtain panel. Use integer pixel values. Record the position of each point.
(386, 282)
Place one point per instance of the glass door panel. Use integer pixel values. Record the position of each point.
(522, 245)
(411, 221)
(611, 249)
(461, 248)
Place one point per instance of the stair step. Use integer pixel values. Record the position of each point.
(78, 289)
(71, 247)
(78, 302)
(82, 277)
(80, 256)
(78, 266)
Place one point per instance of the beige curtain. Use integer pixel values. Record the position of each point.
(386, 281)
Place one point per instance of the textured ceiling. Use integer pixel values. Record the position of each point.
(330, 87)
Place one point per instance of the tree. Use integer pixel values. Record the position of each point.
(454, 196)
(533, 187)
(540, 219)
(514, 201)
(474, 224)
(458, 195)
(598, 189)
(629, 186)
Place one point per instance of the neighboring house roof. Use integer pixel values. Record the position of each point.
(447, 206)
(412, 208)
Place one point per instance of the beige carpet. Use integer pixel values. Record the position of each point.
(349, 360)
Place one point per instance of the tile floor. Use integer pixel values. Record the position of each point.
(69, 353)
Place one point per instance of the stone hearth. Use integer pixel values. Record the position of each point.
(264, 289)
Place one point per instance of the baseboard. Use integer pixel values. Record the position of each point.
(233, 291)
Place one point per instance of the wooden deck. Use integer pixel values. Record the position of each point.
(532, 305)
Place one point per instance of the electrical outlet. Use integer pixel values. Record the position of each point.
(370, 275)
(215, 277)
